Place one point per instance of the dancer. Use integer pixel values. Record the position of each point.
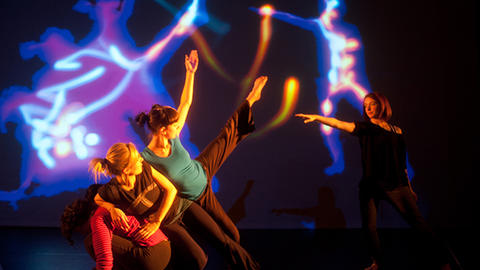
(134, 188)
(384, 176)
(109, 245)
(193, 178)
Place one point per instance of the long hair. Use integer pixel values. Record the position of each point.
(78, 212)
(158, 117)
(384, 112)
(118, 157)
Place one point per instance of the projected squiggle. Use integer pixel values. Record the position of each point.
(341, 80)
(82, 99)
(264, 41)
(216, 26)
(289, 101)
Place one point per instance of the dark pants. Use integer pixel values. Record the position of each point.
(127, 255)
(208, 218)
(214, 155)
(402, 199)
(187, 253)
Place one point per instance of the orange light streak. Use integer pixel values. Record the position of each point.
(265, 35)
(183, 25)
(207, 53)
(289, 102)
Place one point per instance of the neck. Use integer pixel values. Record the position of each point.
(160, 146)
(127, 181)
(376, 121)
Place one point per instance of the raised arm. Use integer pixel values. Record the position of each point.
(167, 200)
(191, 64)
(329, 121)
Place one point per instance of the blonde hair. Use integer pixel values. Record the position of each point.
(117, 159)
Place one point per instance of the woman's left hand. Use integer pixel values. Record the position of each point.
(191, 62)
(147, 230)
(307, 118)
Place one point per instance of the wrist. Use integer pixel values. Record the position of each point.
(156, 222)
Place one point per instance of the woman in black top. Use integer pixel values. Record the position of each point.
(384, 176)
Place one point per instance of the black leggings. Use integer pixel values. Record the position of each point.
(402, 199)
(187, 253)
(239, 126)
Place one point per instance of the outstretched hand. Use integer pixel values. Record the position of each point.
(307, 118)
(191, 61)
(256, 92)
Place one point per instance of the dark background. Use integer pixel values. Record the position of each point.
(422, 55)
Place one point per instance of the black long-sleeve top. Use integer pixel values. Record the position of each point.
(383, 156)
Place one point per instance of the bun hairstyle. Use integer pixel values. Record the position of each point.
(78, 212)
(158, 117)
(384, 110)
(118, 157)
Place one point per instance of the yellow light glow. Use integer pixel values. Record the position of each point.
(289, 102)
(327, 107)
(63, 148)
(266, 10)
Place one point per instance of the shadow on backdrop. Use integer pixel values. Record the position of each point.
(325, 214)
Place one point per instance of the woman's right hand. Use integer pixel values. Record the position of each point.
(191, 61)
(119, 218)
(307, 118)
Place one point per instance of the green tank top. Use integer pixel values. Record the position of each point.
(185, 173)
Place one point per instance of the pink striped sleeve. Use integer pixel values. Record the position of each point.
(102, 239)
(102, 231)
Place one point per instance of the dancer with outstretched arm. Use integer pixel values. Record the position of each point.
(383, 154)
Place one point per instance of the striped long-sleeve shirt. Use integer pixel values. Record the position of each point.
(102, 230)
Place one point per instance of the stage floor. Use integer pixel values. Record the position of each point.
(26, 248)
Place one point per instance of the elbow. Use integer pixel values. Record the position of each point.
(98, 200)
(173, 192)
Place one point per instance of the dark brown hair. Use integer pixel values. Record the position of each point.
(158, 117)
(78, 212)
(384, 111)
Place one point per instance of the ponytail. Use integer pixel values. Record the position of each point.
(118, 157)
(100, 167)
(141, 119)
(158, 117)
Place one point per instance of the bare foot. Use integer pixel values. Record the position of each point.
(256, 92)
